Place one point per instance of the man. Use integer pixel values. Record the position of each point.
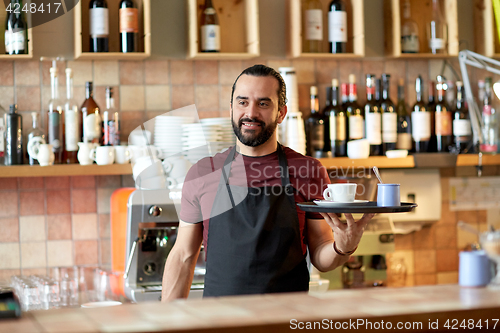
(242, 205)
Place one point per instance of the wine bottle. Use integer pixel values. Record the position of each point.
(462, 131)
(345, 94)
(99, 26)
(55, 124)
(312, 26)
(355, 114)
(335, 122)
(315, 127)
(36, 136)
(111, 121)
(91, 117)
(389, 117)
(13, 137)
(420, 120)
(337, 27)
(210, 29)
(2, 135)
(443, 122)
(431, 106)
(409, 31)
(373, 117)
(404, 122)
(16, 29)
(490, 121)
(71, 121)
(437, 30)
(129, 26)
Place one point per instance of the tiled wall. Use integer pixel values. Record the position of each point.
(59, 221)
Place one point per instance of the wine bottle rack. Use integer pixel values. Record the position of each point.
(239, 22)
(420, 13)
(27, 56)
(355, 30)
(81, 12)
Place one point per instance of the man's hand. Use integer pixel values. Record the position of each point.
(347, 235)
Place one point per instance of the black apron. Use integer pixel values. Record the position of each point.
(254, 247)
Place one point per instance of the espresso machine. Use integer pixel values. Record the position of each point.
(152, 223)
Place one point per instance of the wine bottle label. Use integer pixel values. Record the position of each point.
(14, 41)
(374, 128)
(71, 130)
(409, 44)
(2, 140)
(54, 134)
(443, 123)
(337, 26)
(314, 24)
(404, 141)
(129, 20)
(210, 37)
(92, 127)
(99, 22)
(436, 43)
(356, 127)
(317, 137)
(332, 125)
(340, 125)
(389, 127)
(461, 127)
(421, 126)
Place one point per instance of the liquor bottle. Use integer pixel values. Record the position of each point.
(210, 29)
(129, 26)
(312, 26)
(378, 92)
(91, 123)
(335, 122)
(337, 27)
(404, 122)
(16, 29)
(2, 134)
(443, 122)
(36, 136)
(111, 121)
(389, 117)
(490, 121)
(373, 118)
(420, 120)
(462, 131)
(437, 30)
(55, 118)
(431, 107)
(71, 121)
(409, 31)
(99, 26)
(315, 127)
(13, 137)
(355, 114)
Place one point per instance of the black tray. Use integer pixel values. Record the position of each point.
(370, 207)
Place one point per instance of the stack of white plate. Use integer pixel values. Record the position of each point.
(228, 138)
(168, 133)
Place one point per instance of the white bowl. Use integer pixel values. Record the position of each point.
(399, 153)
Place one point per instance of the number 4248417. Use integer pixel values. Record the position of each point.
(32, 8)
(471, 324)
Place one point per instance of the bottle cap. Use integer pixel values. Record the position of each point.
(459, 84)
(109, 90)
(335, 83)
(69, 72)
(352, 78)
(88, 84)
(314, 90)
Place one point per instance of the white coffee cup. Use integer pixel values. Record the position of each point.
(358, 148)
(103, 155)
(122, 154)
(340, 192)
(83, 154)
(176, 166)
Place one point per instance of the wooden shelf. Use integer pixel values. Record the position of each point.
(473, 160)
(81, 14)
(239, 21)
(379, 161)
(420, 13)
(355, 30)
(64, 170)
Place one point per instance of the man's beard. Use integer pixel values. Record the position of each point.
(251, 139)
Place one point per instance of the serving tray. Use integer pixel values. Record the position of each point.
(369, 207)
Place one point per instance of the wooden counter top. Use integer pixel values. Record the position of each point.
(412, 306)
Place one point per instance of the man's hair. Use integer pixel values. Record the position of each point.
(262, 70)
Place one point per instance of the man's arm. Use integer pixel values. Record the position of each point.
(322, 233)
(181, 261)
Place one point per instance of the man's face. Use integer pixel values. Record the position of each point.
(254, 113)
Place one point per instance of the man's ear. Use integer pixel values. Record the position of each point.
(282, 114)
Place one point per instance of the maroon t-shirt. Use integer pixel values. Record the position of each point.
(307, 175)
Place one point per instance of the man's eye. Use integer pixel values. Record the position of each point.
(263, 104)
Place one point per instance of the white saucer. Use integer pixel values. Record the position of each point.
(328, 203)
(100, 304)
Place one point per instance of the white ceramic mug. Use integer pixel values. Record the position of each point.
(43, 153)
(83, 154)
(103, 155)
(176, 166)
(122, 154)
(340, 192)
(358, 148)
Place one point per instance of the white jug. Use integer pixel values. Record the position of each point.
(43, 153)
(84, 152)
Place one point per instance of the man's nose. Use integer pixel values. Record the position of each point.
(253, 111)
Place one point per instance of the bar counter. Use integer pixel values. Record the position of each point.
(412, 309)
